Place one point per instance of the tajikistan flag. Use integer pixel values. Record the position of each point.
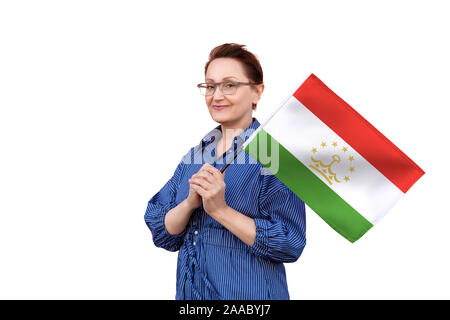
(333, 159)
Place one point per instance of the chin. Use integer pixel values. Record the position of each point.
(217, 116)
(220, 117)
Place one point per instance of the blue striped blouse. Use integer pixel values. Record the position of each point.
(212, 262)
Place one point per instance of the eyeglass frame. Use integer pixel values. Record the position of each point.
(238, 83)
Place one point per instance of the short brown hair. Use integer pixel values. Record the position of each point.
(252, 67)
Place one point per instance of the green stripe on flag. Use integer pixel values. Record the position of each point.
(311, 189)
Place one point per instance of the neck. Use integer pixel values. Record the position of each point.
(229, 131)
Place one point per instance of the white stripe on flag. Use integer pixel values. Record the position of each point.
(368, 191)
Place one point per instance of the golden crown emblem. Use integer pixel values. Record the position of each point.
(326, 170)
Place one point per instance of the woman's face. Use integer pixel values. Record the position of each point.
(238, 105)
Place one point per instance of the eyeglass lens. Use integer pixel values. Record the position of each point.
(227, 88)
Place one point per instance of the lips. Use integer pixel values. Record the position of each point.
(218, 107)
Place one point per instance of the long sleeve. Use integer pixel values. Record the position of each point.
(281, 232)
(157, 208)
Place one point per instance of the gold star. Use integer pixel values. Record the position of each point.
(314, 150)
(323, 144)
(351, 158)
(334, 144)
(344, 149)
(346, 178)
(352, 169)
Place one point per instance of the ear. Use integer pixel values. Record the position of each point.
(259, 91)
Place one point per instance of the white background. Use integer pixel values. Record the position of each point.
(98, 103)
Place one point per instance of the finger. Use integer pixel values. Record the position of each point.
(222, 173)
(216, 173)
(211, 170)
(199, 189)
(205, 167)
(202, 170)
(206, 175)
(200, 182)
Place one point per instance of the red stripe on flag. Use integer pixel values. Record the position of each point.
(347, 123)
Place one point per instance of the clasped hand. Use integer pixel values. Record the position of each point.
(209, 183)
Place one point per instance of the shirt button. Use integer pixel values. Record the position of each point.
(194, 243)
(195, 232)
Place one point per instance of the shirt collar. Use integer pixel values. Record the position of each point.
(216, 133)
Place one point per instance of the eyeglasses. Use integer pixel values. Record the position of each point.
(226, 87)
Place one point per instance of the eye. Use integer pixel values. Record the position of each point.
(230, 84)
(209, 86)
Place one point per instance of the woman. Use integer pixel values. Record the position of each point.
(233, 230)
